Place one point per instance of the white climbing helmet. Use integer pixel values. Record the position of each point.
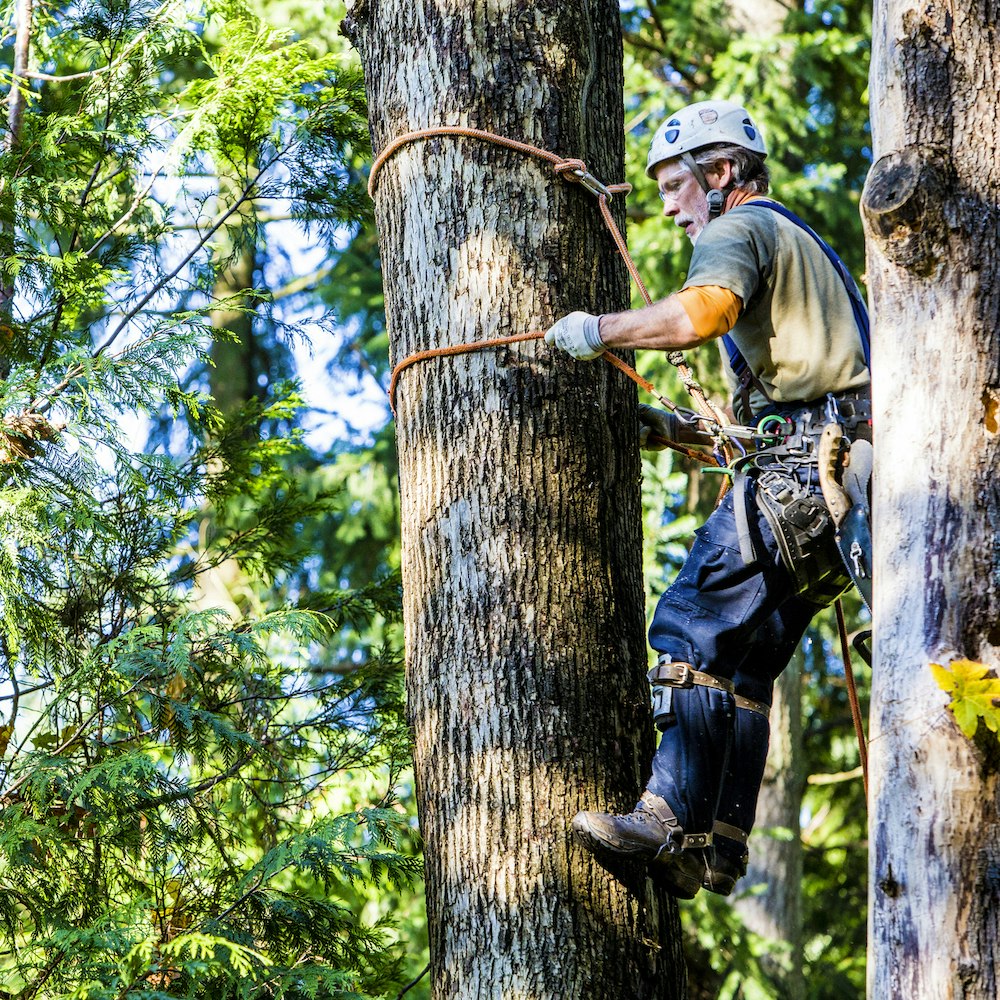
(700, 125)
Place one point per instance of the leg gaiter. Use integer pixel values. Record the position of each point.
(690, 762)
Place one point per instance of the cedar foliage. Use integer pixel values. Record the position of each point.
(166, 765)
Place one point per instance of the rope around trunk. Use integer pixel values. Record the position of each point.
(574, 171)
(479, 345)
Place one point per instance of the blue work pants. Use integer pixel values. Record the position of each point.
(737, 621)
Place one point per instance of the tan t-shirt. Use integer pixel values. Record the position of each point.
(796, 329)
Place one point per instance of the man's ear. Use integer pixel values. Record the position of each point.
(720, 174)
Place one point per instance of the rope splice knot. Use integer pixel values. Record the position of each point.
(575, 171)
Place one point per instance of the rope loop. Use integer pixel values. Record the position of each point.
(572, 163)
(576, 172)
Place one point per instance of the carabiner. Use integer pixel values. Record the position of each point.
(587, 180)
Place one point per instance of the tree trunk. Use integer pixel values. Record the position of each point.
(237, 359)
(519, 477)
(758, 18)
(238, 362)
(774, 908)
(930, 210)
(23, 12)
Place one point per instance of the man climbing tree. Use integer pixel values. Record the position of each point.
(519, 474)
(795, 332)
(933, 227)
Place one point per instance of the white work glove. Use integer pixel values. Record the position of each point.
(577, 334)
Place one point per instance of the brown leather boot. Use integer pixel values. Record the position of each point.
(642, 834)
(652, 834)
(682, 875)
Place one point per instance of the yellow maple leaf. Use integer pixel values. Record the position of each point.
(944, 678)
(974, 694)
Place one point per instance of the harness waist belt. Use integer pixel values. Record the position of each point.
(854, 409)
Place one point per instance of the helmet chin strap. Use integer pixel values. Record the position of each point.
(716, 198)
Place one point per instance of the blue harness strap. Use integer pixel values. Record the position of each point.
(739, 363)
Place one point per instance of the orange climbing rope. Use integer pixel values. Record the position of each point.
(852, 694)
(575, 171)
(479, 345)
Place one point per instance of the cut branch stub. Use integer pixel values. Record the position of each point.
(901, 207)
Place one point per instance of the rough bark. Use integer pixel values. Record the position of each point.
(930, 209)
(519, 480)
(772, 902)
(23, 12)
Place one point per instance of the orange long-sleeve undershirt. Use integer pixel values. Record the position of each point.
(713, 310)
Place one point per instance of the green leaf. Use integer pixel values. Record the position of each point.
(974, 694)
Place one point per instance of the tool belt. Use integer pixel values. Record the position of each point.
(777, 480)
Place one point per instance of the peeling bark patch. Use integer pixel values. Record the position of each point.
(889, 886)
(886, 883)
(943, 530)
(991, 404)
(934, 604)
(925, 56)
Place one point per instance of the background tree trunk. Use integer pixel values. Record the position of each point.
(23, 11)
(519, 478)
(774, 908)
(759, 18)
(930, 210)
(238, 361)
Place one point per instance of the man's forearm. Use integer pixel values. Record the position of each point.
(663, 326)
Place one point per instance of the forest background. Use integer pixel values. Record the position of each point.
(203, 748)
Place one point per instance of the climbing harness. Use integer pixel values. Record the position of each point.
(574, 171)
(816, 441)
(776, 479)
(843, 452)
